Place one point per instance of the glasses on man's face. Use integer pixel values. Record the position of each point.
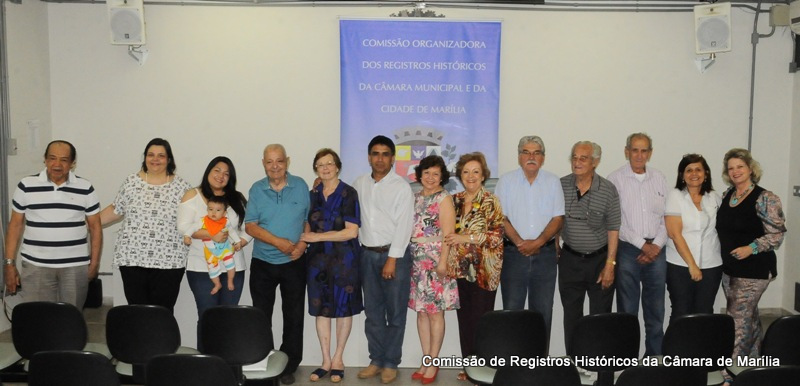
(535, 153)
(325, 165)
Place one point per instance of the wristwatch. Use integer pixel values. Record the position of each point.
(7, 261)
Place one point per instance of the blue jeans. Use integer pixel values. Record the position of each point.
(385, 306)
(650, 280)
(201, 286)
(532, 276)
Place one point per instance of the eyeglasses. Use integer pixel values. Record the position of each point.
(577, 214)
(325, 165)
(535, 153)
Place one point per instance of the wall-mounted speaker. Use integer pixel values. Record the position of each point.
(126, 18)
(712, 27)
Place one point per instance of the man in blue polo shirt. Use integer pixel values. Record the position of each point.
(276, 214)
(55, 208)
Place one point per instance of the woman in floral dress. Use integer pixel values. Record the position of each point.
(432, 291)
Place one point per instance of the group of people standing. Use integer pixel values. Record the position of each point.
(378, 247)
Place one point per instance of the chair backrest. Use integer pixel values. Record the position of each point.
(238, 334)
(782, 340)
(662, 376)
(613, 335)
(769, 376)
(704, 336)
(504, 333)
(71, 368)
(135, 333)
(189, 370)
(538, 376)
(47, 326)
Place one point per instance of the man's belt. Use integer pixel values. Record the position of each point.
(508, 243)
(585, 255)
(380, 249)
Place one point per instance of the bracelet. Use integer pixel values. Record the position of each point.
(7, 261)
(472, 238)
(754, 247)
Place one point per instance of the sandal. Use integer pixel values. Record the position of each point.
(319, 373)
(462, 376)
(337, 375)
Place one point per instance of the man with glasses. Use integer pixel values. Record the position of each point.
(642, 262)
(533, 205)
(591, 228)
(277, 211)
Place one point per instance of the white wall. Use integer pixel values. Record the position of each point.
(791, 268)
(29, 86)
(231, 80)
(29, 91)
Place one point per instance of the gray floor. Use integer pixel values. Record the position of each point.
(445, 378)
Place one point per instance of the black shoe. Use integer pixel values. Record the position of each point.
(287, 379)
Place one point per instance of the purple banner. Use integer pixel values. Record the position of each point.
(431, 86)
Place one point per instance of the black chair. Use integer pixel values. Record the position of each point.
(781, 341)
(612, 335)
(506, 333)
(769, 376)
(706, 337)
(47, 326)
(71, 368)
(239, 335)
(189, 370)
(538, 376)
(136, 333)
(662, 376)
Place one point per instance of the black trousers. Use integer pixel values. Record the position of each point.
(577, 277)
(155, 286)
(475, 301)
(291, 277)
(688, 296)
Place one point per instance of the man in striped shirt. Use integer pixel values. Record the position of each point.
(55, 208)
(641, 261)
(591, 228)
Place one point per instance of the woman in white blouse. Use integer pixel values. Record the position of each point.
(219, 179)
(694, 263)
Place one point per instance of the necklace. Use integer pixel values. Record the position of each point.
(736, 198)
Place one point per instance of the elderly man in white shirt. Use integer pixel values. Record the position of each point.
(387, 210)
(641, 261)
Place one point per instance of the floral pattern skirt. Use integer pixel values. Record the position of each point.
(429, 293)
